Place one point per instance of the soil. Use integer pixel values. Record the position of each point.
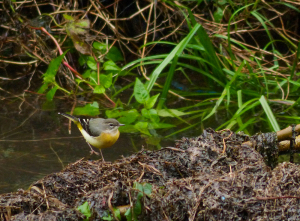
(211, 177)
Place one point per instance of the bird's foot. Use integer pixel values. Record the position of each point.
(94, 152)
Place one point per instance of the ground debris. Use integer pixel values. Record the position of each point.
(210, 177)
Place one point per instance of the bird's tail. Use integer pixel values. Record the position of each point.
(72, 118)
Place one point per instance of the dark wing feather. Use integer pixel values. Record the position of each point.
(85, 124)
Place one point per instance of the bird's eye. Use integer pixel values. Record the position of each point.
(111, 125)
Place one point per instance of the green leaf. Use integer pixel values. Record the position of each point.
(76, 27)
(151, 101)
(99, 89)
(138, 186)
(147, 188)
(110, 66)
(143, 188)
(117, 213)
(140, 92)
(106, 80)
(49, 76)
(114, 113)
(87, 73)
(83, 23)
(150, 114)
(100, 46)
(79, 81)
(76, 30)
(108, 217)
(85, 210)
(82, 59)
(218, 15)
(170, 113)
(88, 110)
(153, 140)
(51, 93)
(68, 17)
(94, 77)
(128, 215)
(91, 63)
(128, 117)
(128, 129)
(114, 54)
(43, 88)
(142, 127)
(137, 208)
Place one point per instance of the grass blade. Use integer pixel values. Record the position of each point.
(269, 113)
(176, 51)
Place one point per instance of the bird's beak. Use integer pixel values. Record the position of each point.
(121, 125)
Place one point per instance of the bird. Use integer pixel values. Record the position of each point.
(98, 132)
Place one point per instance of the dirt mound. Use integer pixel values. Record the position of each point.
(211, 177)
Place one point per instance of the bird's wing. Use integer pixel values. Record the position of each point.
(85, 124)
(96, 126)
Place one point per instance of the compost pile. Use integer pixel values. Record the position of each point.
(210, 177)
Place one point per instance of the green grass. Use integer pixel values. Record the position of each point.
(237, 69)
(249, 90)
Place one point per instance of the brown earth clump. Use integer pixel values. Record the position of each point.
(211, 177)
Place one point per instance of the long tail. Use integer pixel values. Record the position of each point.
(72, 118)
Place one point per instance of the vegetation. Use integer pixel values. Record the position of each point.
(142, 191)
(233, 64)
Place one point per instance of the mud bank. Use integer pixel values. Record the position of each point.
(211, 177)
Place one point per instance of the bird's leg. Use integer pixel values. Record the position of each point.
(92, 151)
(102, 156)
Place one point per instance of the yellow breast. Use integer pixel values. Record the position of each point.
(107, 139)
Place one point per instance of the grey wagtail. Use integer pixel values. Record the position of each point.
(99, 132)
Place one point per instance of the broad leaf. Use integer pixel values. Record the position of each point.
(91, 63)
(150, 114)
(77, 31)
(218, 15)
(147, 188)
(140, 92)
(114, 54)
(106, 80)
(151, 101)
(142, 127)
(128, 117)
(100, 47)
(49, 76)
(110, 66)
(99, 89)
(88, 110)
(85, 210)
